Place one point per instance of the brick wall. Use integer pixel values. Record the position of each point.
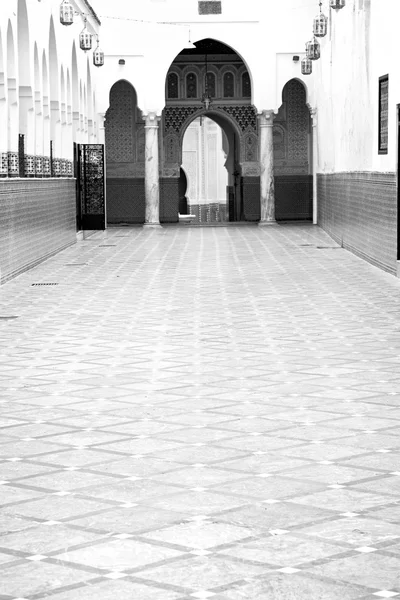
(37, 219)
(359, 211)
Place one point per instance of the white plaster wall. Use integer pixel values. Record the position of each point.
(362, 45)
(39, 18)
(149, 34)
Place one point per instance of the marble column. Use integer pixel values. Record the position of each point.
(267, 187)
(101, 135)
(152, 181)
(313, 112)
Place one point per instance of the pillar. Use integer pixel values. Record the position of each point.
(267, 188)
(314, 118)
(101, 136)
(151, 174)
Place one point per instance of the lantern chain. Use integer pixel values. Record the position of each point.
(67, 13)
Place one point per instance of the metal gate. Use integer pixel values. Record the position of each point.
(90, 188)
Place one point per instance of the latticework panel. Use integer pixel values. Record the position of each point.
(120, 123)
(297, 122)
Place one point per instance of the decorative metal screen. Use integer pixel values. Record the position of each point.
(21, 154)
(120, 123)
(297, 121)
(92, 186)
(383, 114)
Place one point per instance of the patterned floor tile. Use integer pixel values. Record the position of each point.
(372, 570)
(200, 413)
(122, 589)
(293, 587)
(202, 572)
(201, 535)
(118, 555)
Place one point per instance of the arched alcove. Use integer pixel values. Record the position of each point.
(55, 118)
(24, 57)
(3, 114)
(89, 102)
(74, 93)
(95, 132)
(26, 103)
(46, 116)
(221, 46)
(84, 113)
(69, 133)
(54, 103)
(124, 143)
(13, 117)
(68, 98)
(81, 117)
(2, 70)
(292, 152)
(208, 57)
(38, 111)
(63, 116)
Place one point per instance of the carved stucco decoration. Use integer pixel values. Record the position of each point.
(176, 118)
(171, 170)
(251, 169)
(171, 148)
(250, 147)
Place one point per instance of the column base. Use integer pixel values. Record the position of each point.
(264, 223)
(152, 225)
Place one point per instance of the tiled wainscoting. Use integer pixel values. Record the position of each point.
(125, 200)
(37, 219)
(359, 211)
(293, 197)
(209, 213)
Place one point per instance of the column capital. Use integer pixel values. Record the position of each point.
(151, 119)
(313, 114)
(103, 119)
(266, 118)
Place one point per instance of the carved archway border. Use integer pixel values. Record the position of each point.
(176, 119)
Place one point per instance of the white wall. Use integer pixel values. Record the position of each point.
(363, 45)
(257, 30)
(26, 108)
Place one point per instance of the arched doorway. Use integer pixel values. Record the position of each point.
(211, 81)
(293, 155)
(124, 137)
(208, 157)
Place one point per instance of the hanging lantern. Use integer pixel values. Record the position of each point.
(85, 39)
(98, 56)
(306, 66)
(313, 50)
(66, 13)
(337, 4)
(320, 24)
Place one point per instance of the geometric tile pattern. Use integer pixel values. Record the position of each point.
(221, 422)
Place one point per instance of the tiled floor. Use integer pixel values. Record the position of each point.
(196, 413)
